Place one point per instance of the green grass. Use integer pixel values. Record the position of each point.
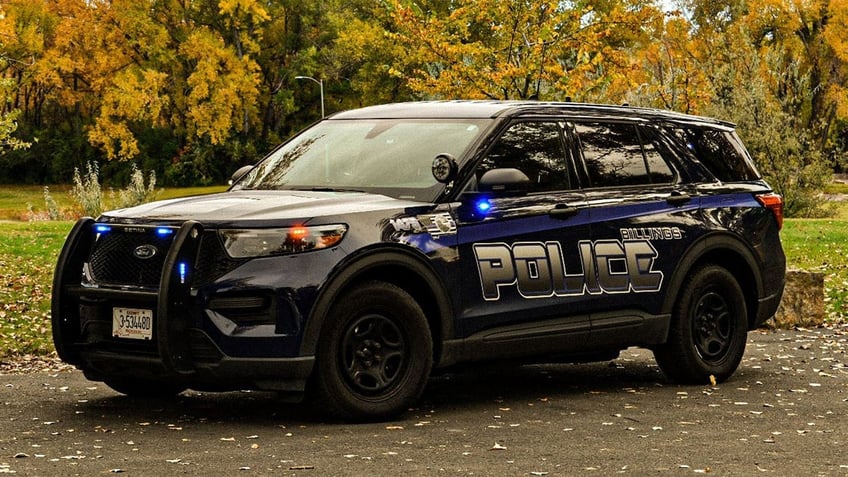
(28, 253)
(15, 200)
(821, 245)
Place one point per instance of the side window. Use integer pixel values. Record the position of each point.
(720, 152)
(613, 154)
(658, 168)
(536, 149)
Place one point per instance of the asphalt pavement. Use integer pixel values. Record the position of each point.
(784, 413)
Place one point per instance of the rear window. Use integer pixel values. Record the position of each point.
(720, 152)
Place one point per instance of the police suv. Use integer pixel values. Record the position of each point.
(384, 242)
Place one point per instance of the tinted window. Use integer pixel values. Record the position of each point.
(534, 148)
(658, 169)
(612, 153)
(720, 152)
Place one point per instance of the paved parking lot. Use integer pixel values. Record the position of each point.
(785, 412)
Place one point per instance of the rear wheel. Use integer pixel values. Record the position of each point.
(375, 353)
(708, 329)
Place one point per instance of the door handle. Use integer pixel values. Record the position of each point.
(563, 211)
(678, 198)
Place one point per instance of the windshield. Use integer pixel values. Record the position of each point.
(385, 156)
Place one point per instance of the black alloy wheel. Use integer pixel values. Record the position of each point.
(708, 329)
(374, 355)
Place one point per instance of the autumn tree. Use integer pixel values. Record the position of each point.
(521, 49)
(774, 67)
(670, 73)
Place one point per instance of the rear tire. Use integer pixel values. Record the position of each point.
(374, 355)
(708, 330)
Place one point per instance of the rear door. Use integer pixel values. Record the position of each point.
(642, 220)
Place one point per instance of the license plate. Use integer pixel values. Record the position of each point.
(132, 323)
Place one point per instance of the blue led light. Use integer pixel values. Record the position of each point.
(483, 206)
(183, 269)
(164, 232)
(102, 229)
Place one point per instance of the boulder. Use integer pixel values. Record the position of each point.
(803, 301)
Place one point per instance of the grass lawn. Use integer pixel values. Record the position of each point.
(15, 201)
(821, 245)
(28, 253)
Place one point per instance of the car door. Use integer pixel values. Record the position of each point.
(519, 249)
(641, 219)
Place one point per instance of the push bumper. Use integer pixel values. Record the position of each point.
(179, 351)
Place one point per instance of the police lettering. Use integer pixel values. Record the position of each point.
(538, 269)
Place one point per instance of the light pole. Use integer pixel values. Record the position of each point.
(320, 85)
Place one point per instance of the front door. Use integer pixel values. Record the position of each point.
(521, 261)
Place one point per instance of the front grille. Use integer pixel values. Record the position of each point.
(212, 260)
(116, 260)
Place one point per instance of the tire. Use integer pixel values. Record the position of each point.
(708, 330)
(141, 388)
(374, 355)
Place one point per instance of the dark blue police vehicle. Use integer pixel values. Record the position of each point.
(384, 242)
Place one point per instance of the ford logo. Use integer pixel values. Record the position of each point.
(145, 251)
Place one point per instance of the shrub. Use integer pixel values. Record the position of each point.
(88, 194)
(136, 191)
(86, 190)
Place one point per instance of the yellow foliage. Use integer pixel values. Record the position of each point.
(514, 49)
(223, 87)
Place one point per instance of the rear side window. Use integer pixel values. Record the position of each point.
(614, 156)
(719, 151)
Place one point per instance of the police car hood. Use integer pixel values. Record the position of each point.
(258, 206)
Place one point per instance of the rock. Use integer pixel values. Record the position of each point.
(803, 301)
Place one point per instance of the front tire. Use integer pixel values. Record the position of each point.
(374, 355)
(708, 329)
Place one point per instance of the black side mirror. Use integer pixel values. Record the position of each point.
(476, 205)
(505, 180)
(240, 173)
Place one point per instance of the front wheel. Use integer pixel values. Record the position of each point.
(375, 353)
(708, 329)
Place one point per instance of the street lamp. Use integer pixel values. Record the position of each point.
(320, 85)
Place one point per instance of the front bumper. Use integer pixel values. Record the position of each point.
(180, 350)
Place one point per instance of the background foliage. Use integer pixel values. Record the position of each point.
(192, 89)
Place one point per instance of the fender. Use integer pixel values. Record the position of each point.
(731, 247)
(361, 263)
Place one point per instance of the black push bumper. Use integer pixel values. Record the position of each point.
(180, 351)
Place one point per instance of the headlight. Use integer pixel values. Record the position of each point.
(244, 243)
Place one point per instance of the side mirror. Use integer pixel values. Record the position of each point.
(240, 173)
(444, 168)
(476, 206)
(505, 180)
